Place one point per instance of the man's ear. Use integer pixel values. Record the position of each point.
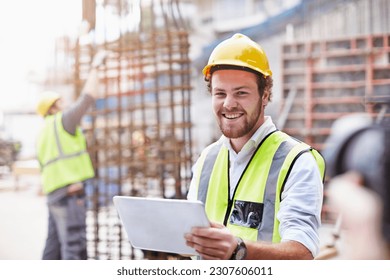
(54, 108)
(265, 98)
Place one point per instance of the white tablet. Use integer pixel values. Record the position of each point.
(159, 224)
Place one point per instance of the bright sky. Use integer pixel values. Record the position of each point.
(27, 29)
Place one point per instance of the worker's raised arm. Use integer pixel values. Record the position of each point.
(72, 116)
(91, 86)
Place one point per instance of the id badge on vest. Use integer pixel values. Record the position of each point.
(247, 214)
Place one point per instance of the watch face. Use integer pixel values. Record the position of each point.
(241, 253)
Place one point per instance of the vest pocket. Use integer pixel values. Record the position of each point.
(247, 214)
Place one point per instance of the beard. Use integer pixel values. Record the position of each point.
(244, 126)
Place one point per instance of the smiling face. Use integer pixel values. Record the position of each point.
(237, 104)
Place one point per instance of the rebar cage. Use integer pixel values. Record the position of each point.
(139, 132)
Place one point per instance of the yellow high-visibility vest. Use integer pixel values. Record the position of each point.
(251, 213)
(63, 157)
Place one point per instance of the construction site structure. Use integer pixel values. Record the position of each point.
(324, 80)
(139, 131)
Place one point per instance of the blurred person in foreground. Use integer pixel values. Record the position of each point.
(358, 160)
(65, 166)
(261, 188)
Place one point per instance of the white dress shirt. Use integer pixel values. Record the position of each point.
(300, 209)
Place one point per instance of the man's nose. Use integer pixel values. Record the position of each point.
(230, 102)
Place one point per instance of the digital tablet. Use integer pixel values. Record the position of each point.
(159, 224)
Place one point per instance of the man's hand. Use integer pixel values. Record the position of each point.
(213, 243)
(361, 211)
(91, 86)
(99, 58)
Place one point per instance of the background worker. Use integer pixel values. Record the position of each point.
(262, 189)
(65, 165)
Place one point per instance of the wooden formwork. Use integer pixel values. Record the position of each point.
(325, 80)
(332, 78)
(139, 133)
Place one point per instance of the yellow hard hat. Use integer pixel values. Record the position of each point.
(47, 99)
(239, 50)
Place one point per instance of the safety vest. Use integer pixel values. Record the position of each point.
(251, 213)
(63, 157)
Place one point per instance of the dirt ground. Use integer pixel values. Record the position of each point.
(23, 219)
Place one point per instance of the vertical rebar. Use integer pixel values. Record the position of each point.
(140, 129)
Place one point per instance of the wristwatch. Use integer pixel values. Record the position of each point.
(241, 251)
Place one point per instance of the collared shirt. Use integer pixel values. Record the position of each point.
(300, 208)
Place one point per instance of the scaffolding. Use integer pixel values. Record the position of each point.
(139, 132)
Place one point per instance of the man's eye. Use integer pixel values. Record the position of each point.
(219, 93)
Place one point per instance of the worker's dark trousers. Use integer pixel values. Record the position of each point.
(67, 230)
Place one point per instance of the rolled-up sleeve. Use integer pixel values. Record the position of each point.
(300, 208)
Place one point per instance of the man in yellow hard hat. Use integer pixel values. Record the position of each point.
(65, 166)
(261, 188)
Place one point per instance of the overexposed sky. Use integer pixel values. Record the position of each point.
(27, 30)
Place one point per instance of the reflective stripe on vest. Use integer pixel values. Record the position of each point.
(273, 158)
(67, 160)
